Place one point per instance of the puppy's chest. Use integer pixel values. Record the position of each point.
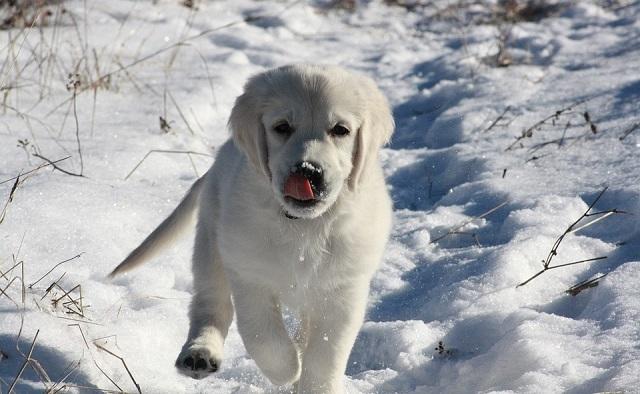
(289, 259)
(302, 258)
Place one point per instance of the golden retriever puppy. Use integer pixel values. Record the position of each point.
(294, 212)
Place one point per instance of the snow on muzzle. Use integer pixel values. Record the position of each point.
(305, 183)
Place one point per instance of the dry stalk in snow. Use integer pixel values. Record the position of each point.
(123, 68)
(22, 174)
(9, 199)
(54, 267)
(550, 119)
(585, 284)
(123, 363)
(457, 229)
(575, 226)
(26, 361)
(182, 152)
(628, 131)
(84, 338)
(4, 275)
(498, 119)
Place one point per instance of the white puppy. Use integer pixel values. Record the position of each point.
(294, 212)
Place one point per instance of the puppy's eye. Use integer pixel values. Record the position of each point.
(283, 128)
(339, 130)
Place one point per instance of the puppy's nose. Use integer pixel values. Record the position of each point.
(305, 175)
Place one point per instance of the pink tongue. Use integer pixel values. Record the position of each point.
(298, 187)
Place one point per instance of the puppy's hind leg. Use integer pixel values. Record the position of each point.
(211, 310)
(264, 334)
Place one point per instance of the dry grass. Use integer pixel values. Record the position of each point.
(17, 14)
(579, 224)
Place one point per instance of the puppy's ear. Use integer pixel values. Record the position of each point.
(376, 131)
(248, 132)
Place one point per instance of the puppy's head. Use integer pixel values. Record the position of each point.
(311, 131)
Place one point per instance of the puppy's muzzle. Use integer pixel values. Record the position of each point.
(305, 184)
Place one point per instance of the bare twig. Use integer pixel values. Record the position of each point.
(123, 363)
(542, 271)
(498, 119)
(21, 277)
(10, 199)
(456, 229)
(26, 35)
(575, 226)
(26, 361)
(84, 338)
(74, 84)
(162, 50)
(527, 133)
(22, 174)
(77, 303)
(3, 292)
(188, 152)
(54, 267)
(71, 368)
(80, 321)
(52, 285)
(96, 389)
(605, 214)
(184, 119)
(534, 158)
(629, 131)
(585, 284)
(39, 156)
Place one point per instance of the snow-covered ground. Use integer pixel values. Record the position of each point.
(445, 313)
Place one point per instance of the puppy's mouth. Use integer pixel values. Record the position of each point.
(301, 193)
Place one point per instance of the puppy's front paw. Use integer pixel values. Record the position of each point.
(197, 362)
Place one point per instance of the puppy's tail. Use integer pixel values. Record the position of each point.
(165, 233)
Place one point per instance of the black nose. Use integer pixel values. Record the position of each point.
(314, 173)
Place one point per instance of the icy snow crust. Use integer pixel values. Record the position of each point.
(445, 166)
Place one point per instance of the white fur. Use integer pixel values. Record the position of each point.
(247, 249)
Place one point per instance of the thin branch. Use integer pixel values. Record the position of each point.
(554, 249)
(52, 285)
(80, 321)
(72, 368)
(498, 119)
(4, 292)
(39, 156)
(67, 293)
(22, 174)
(123, 363)
(10, 199)
(575, 226)
(94, 360)
(96, 389)
(578, 262)
(184, 119)
(629, 131)
(2, 84)
(605, 214)
(75, 116)
(542, 271)
(121, 68)
(54, 267)
(26, 361)
(185, 152)
(585, 284)
(527, 133)
(4, 274)
(456, 229)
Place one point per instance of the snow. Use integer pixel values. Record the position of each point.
(445, 315)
